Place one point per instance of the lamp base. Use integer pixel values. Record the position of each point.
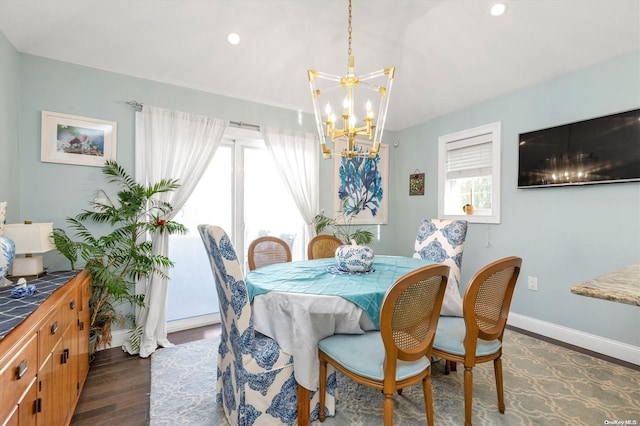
(26, 267)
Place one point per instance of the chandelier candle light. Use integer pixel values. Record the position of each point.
(328, 128)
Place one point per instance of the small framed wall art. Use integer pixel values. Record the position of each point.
(71, 139)
(416, 183)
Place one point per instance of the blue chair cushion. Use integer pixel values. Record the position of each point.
(450, 338)
(364, 355)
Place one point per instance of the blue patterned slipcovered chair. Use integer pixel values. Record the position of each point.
(255, 381)
(442, 241)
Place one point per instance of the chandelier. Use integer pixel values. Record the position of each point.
(351, 101)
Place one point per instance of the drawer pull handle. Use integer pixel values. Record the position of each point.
(72, 305)
(39, 405)
(66, 355)
(21, 370)
(81, 325)
(54, 328)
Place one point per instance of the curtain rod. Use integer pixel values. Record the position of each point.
(238, 124)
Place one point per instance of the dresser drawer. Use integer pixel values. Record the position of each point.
(17, 374)
(49, 334)
(69, 308)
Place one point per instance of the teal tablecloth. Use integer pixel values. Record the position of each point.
(311, 277)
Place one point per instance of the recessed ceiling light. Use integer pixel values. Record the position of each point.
(498, 9)
(233, 38)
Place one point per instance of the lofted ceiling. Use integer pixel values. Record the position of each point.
(448, 54)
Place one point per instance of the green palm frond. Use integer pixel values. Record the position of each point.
(342, 228)
(117, 259)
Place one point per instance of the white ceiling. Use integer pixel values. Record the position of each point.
(448, 54)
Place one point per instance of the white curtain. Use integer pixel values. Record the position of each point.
(169, 145)
(297, 157)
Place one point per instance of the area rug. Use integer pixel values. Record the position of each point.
(544, 384)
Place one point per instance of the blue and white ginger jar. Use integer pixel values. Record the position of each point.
(354, 258)
(7, 253)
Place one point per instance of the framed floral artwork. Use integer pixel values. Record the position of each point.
(416, 184)
(361, 185)
(71, 139)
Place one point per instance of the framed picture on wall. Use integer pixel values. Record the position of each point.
(71, 139)
(361, 185)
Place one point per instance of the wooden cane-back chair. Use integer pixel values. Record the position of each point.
(477, 337)
(323, 246)
(267, 250)
(408, 321)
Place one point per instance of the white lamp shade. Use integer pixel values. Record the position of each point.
(30, 238)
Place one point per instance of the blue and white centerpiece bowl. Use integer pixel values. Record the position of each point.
(7, 253)
(354, 258)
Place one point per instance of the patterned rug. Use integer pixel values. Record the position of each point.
(544, 384)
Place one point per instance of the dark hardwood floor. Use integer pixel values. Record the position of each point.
(117, 388)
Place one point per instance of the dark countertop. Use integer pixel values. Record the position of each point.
(13, 311)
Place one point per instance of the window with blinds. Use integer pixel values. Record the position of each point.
(469, 174)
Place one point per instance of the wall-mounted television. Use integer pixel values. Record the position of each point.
(600, 150)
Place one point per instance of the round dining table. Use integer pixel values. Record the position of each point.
(300, 303)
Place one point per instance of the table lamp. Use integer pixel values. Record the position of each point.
(29, 238)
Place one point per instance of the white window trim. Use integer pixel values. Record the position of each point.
(493, 129)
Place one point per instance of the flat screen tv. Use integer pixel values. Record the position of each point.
(600, 150)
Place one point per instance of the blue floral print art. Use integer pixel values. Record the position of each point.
(360, 184)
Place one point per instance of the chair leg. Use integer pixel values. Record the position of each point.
(303, 405)
(449, 366)
(322, 388)
(428, 398)
(468, 392)
(497, 368)
(388, 409)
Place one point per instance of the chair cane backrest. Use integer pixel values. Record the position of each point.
(487, 299)
(442, 241)
(323, 246)
(235, 310)
(268, 250)
(410, 312)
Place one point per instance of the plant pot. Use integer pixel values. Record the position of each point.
(93, 339)
(468, 210)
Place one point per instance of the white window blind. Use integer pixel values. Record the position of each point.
(469, 158)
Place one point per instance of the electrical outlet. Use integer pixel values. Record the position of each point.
(533, 283)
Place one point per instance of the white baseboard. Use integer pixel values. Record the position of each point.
(118, 337)
(193, 322)
(602, 345)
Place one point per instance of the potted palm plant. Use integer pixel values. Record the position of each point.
(118, 258)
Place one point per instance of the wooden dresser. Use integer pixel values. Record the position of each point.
(44, 348)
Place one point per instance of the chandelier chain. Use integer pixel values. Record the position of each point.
(349, 29)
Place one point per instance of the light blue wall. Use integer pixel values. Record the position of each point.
(9, 129)
(71, 89)
(565, 235)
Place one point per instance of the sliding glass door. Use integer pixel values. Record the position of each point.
(241, 192)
